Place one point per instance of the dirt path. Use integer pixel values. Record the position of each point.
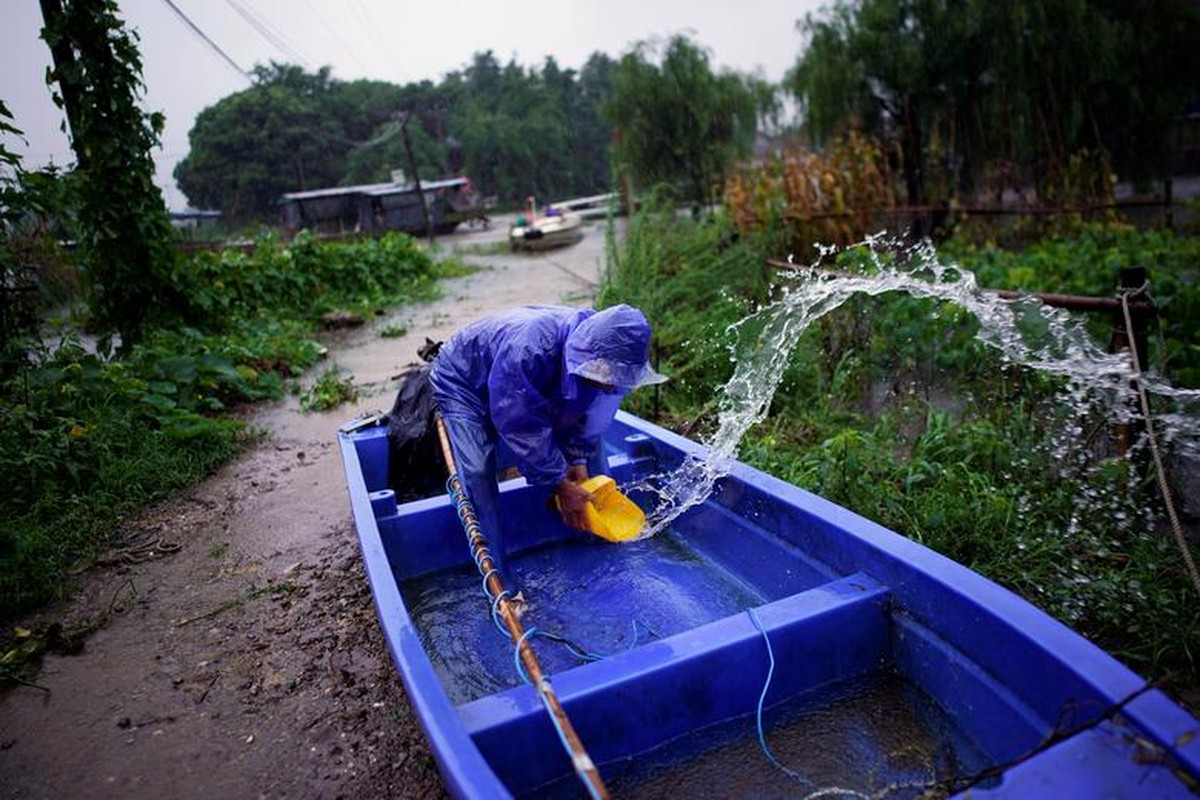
(249, 662)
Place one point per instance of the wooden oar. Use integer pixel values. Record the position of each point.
(580, 760)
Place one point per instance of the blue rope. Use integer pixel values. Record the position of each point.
(589, 656)
(649, 630)
(576, 650)
(471, 528)
(517, 660)
(487, 575)
(562, 737)
(762, 739)
(495, 618)
(477, 556)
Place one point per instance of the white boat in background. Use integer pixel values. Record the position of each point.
(554, 228)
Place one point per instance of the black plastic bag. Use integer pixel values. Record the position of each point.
(416, 468)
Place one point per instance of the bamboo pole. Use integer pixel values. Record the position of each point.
(580, 760)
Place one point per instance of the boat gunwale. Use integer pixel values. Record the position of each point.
(461, 765)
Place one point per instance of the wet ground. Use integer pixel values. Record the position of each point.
(248, 662)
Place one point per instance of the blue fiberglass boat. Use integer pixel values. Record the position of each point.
(767, 644)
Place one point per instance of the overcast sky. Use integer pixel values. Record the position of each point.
(394, 40)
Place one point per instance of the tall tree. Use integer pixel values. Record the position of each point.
(871, 65)
(679, 122)
(590, 133)
(512, 128)
(127, 244)
(964, 84)
(516, 131)
(281, 135)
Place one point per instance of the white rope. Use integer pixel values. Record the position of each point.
(1176, 528)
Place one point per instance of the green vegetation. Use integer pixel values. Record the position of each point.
(1085, 259)
(87, 438)
(890, 406)
(292, 130)
(680, 123)
(126, 238)
(330, 391)
(305, 279)
(394, 332)
(515, 131)
(989, 96)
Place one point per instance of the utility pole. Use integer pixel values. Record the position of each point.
(412, 167)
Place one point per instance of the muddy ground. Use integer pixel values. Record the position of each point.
(236, 650)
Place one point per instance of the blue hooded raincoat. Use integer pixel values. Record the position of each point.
(519, 378)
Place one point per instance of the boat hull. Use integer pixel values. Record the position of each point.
(547, 233)
(761, 579)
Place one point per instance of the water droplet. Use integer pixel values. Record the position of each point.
(1024, 331)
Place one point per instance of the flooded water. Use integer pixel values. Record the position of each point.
(1025, 332)
(872, 738)
(605, 598)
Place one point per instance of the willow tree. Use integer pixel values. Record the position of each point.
(127, 236)
(530, 131)
(1031, 85)
(512, 128)
(678, 122)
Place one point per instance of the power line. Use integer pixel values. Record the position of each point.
(372, 31)
(207, 40)
(333, 32)
(274, 37)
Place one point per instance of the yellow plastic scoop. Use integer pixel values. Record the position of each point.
(612, 515)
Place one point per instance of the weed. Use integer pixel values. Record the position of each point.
(453, 265)
(282, 588)
(330, 391)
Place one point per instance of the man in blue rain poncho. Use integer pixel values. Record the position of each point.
(546, 381)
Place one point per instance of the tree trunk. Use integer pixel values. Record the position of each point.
(64, 62)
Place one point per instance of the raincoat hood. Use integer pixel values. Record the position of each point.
(611, 347)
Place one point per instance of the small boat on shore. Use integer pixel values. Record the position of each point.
(766, 643)
(552, 229)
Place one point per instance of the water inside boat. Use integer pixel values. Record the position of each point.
(864, 734)
(603, 598)
(869, 737)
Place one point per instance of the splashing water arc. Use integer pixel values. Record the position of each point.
(1062, 348)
